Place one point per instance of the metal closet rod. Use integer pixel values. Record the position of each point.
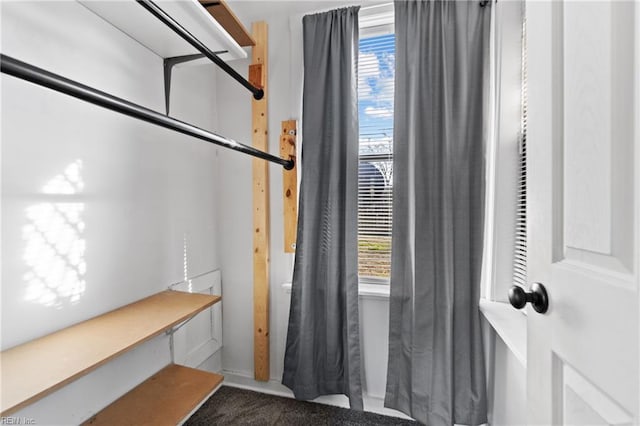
(69, 87)
(166, 19)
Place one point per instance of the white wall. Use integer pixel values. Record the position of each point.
(285, 84)
(506, 381)
(118, 199)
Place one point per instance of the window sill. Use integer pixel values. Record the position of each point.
(365, 291)
(510, 324)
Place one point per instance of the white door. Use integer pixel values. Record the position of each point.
(583, 86)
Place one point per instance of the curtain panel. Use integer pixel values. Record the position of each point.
(436, 365)
(323, 345)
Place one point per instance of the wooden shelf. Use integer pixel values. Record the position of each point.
(229, 21)
(34, 369)
(133, 20)
(166, 398)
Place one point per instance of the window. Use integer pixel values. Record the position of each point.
(520, 249)
(376, 69)
(505, 251)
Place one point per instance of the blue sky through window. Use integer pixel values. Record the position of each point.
(375, 93)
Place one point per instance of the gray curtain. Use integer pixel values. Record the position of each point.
(436, 366)
(323, 346)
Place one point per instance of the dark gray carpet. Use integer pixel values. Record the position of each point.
(233, 406)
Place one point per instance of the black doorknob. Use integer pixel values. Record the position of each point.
(537, 297)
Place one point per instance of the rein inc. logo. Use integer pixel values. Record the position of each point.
(17, 421)
(55, 248)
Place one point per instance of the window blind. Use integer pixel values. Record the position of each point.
(520, 252)
(376, 66)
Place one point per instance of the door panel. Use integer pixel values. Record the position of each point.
(583, 354)
(583, 403)
(596, 334)
(586, 35)
(598, 131)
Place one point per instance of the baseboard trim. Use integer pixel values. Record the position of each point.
(273, 387)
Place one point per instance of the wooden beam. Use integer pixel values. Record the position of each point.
(260, 211)
(289, 184)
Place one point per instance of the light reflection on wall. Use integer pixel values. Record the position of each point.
(54, 245)
(185, 264)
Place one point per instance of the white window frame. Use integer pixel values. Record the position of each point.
(376, 20)
(502, 181)
(502, 150)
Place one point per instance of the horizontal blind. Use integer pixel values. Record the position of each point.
(520, 251)
(376, 67)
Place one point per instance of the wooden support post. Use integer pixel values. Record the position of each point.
(258, 71)
(289, 184)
